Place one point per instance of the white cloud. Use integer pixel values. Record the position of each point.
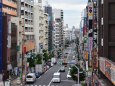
(67, 6)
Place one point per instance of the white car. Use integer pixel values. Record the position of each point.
(56, 77)
(68, 75)
(31, 77)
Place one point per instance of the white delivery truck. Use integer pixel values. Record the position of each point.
(39, 68)
(53, 61)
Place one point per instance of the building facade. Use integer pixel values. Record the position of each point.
(27, 12)
(48, 10)
(9, 7)
(58, 29)
(20, 24)
(41, 27)
(97, 41)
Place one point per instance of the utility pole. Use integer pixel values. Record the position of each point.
(77, 74)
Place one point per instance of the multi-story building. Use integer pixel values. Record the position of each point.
(27, 15)
(19, 23)
(9, 7)
(9, 43)
(37, 25)
(48, 10)
(41, 27)
(58, 29)
(97, 41)
(106, 41)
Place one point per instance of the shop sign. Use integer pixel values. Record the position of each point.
(86, 65)
(102, 65)
(86, 55)
(90, 10)
(113, 74)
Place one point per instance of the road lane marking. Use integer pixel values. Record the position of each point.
(67, 80)
(45, 72)
(50, 82)
(52, 79)
(48, 70)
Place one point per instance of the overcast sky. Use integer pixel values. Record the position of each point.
(72, 10)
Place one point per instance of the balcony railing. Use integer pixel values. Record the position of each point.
(9, 3)
(10, 12)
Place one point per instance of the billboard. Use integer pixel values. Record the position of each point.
(108, 69)
(90, 10)
(102, 65)
(0, 36)
(113, 74)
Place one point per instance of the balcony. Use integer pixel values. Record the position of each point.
(29, 33)
(22, 8)
(9, 3)
(10, 12)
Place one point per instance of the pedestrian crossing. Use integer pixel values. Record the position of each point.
(43, 85)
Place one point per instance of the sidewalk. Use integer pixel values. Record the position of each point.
(14, 82)
(1, 83)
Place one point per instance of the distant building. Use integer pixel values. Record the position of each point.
(58, 28)
(40, 27)
(48, 10)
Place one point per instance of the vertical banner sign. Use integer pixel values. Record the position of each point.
(90, 10)
(1, 35)
(24, 50)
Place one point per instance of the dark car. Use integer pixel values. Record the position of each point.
(37, 75)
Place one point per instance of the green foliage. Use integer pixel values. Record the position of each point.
(31, 62)
(44, 51)
(74, 72)
(38, 59)
(45, 56)
(51, 55)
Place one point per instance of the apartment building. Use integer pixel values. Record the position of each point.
(40, 27)
(58, 29)
(27, 15)
(20, 26)
(48, 10)
(9, 7)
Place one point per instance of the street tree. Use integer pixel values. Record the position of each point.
(45, 56)
(74, 72)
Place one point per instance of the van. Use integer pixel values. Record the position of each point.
(56, 77)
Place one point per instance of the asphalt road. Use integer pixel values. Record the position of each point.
(46, 78)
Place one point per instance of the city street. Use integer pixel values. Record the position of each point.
(46, 78)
